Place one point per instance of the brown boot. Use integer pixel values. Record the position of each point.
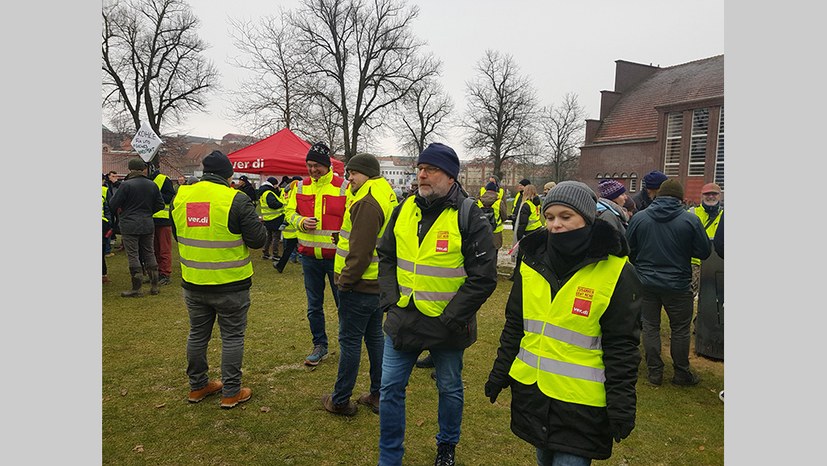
(370, 400)
(135, 292)
(153, 280)
(347, 408)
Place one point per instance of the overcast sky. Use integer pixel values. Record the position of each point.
(562, 46)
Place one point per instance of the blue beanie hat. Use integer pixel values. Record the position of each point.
(653, 179)
(442, 156)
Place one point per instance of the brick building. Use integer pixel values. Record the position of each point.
(670, 119)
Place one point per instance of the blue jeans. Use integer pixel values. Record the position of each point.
(315, 272)
(231, 310)
(359, 317)
(559, 458)
(396, 370)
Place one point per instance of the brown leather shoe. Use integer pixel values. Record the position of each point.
(213, 386)
(370, 400)
(344, 409)
(243, 395)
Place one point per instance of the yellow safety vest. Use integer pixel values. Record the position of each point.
(268, 213)
(430, 273)
(163, 213)
(382, 191)
(561, 349)
(711, 229)
(210, 254)
(325, 200)
(498, 226)
(104, 189)
(534, 221)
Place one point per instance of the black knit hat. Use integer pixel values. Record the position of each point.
(273, 181)
(491, 186)
(218, 163)
(442, 156)
(319, 153)
(576, 195)
(365, 164)
(525, 182)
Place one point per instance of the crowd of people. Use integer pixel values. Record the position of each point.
(408, 272)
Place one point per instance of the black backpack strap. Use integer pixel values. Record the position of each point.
(464, 215)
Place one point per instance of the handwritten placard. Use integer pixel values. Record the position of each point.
(146, 142)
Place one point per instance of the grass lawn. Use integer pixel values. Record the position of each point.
(147, 419)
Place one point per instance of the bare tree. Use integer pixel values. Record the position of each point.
(366, 56)
(274, 96)
(152, 61)
(563, 131)
(502, 108)
(424, 113)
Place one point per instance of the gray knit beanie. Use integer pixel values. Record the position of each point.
(365, 164)
(576, 195)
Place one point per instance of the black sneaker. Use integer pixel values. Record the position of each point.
(265, 257)
(655, 379)
(425, 362)
(164, 280)
(690, 381)
(444, 454)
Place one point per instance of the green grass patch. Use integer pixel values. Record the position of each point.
(147, 419)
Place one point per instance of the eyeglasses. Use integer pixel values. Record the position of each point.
(711, 194)
(430, 170)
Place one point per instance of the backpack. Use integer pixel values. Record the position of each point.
(490, 215)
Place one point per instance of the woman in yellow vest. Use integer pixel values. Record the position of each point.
(569, 346)
(528, 215)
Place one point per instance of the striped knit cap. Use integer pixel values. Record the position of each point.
(576, 195)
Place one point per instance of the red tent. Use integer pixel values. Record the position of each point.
(283, 153)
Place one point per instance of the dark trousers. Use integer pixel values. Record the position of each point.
(678, 306)
(359, 318)
(316, 271)
(289, 246)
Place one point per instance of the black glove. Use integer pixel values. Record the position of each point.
(620, 429)
(492, 391)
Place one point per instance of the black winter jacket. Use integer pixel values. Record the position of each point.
(167, 193)
(456, 327)
(552, 424)
(134, 202)
(663, 239)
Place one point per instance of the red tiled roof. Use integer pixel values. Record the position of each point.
(634, 116)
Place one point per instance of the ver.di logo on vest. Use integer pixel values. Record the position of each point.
(198, 214)
(583, 301)
(442, 241)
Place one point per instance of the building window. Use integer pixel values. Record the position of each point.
(697, 149)
(672, 157)
(719, 153)
(632, 185)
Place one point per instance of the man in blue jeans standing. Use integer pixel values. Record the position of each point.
(356, 269)
(316, 208)
(435, 275)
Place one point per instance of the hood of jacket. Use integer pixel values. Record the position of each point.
(665, 208)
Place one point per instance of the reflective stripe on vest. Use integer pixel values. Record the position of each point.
(381, 190)
(210, 254)
(325, 200)
(159, 180)
(429, 273)
(268, 213)
(711, 229)
(561, 349)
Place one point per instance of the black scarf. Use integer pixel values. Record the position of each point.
(568, 248)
